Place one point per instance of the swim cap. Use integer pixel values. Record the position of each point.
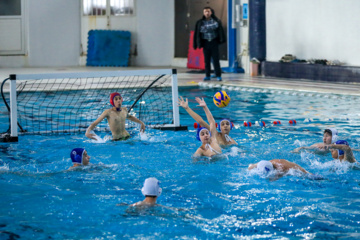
(334, 134)
(341, 142)
(151, 187)
(231, 124)
(77, 155)
(199, 131)
(112, 96)
(264, 167)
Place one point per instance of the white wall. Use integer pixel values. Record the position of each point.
(52, 35)
(155, 32)
(321, 29)
(54, 32)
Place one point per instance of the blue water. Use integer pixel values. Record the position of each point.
(204, 199)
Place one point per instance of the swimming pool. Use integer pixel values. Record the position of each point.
(206, 199)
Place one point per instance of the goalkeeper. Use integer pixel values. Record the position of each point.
(116, 117)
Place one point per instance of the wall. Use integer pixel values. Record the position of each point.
(52, 35)
(155, 32)
(321, 29)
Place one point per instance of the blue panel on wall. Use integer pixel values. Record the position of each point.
(108, 48)
(257, 29)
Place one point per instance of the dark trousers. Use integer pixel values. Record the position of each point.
(211, 51)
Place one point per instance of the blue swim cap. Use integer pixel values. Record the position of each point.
(198, 132)
(77, 155)
(225, 119)
(341, 142)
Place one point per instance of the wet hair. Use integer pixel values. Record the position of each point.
(150, 196)
(328, 131)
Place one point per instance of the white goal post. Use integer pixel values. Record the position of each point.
(146, 91)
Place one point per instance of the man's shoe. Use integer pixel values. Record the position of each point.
(206, 79)
(219, 78)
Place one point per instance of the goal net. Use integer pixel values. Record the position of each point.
(69, 102)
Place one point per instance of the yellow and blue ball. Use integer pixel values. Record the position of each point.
(221, 99)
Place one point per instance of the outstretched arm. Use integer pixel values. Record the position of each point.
(193, 114)
(134, 119)
(252, 166)
(297, 150)
(285, 165)
(296, 166)
(316, 146)
(94, 124)
(209, 116)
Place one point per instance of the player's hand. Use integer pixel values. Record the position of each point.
(183, 103)
(200, 101)
(90, 135)
(296, 150)
(142, 128)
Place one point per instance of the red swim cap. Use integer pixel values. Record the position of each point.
(112, 97)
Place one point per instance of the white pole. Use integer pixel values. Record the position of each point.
(13, 109)
(175, 95)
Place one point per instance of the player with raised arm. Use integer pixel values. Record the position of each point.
(225, 125)
(210, 146)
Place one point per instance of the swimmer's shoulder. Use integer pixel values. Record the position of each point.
(279, 161)
(136, 204)
(143, 204)
(220, 136)
(107, 112)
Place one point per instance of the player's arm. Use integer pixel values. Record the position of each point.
(209, 116)
(349, 156)
(234, 141)
(198, 153)
(94, 124)
(193, 114)
(134, 119)
(287, 165)
(252, 166)
(296, 166)
(312, 147)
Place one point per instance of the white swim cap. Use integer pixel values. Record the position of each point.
(151, 187)
(264, 167)
(334, 135)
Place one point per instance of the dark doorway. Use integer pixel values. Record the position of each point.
(187, 13)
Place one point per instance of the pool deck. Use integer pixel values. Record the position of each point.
(186, 77)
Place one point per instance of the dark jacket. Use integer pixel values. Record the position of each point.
(199, 42)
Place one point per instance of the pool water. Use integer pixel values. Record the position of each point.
(207, 199)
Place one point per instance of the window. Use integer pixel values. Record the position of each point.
(108, 7)
(12, 27)
(10, 7)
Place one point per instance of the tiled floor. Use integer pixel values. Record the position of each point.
(187, 79)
